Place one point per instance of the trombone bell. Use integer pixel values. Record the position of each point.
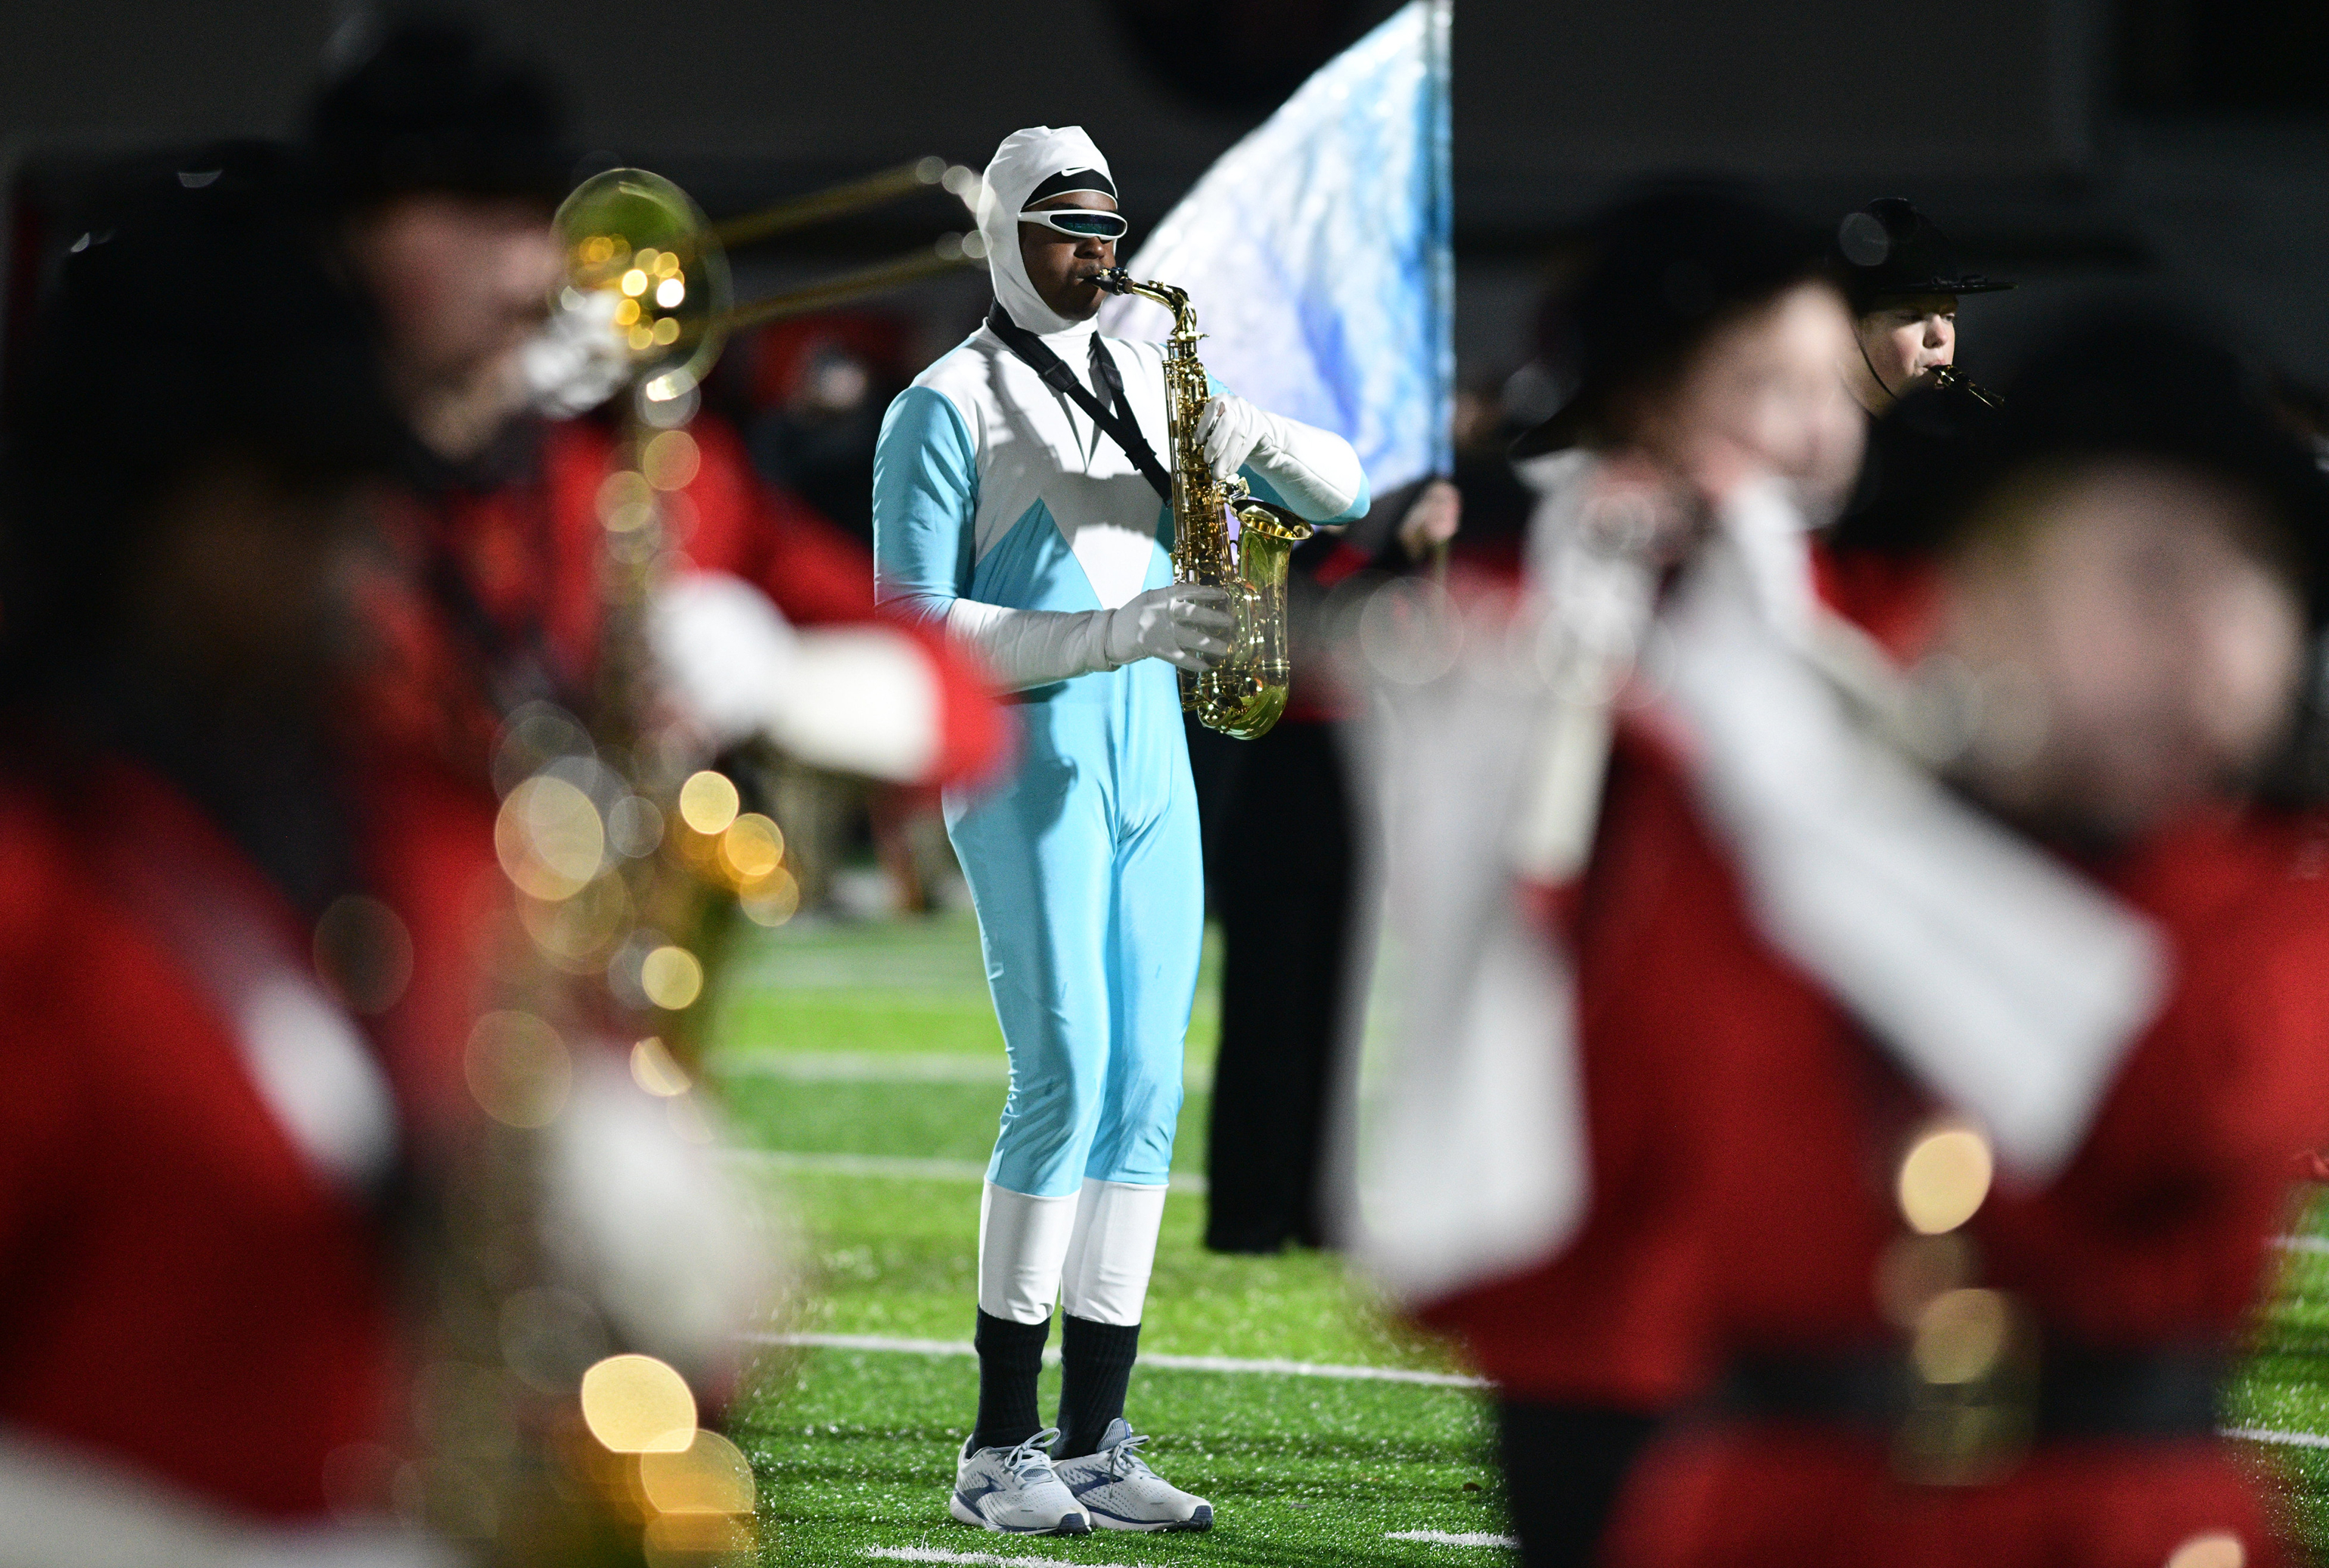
(642, 261)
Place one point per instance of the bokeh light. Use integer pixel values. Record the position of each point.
(671, 976)
(753, 846)
(711, 1476)
(654, 1069)
(670, 460)
(1961, 1336)
(2211, 1549)
(635, 826)
(638, 1404)
(698, 1541)
(772, 900)
(518, 1069)
(550, 838)
(1944, 1177)
(625, 501)
(576, 934)
(708, 802)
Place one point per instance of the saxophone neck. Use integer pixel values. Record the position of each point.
(1115, 280)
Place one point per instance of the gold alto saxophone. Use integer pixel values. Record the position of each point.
(1222, 538)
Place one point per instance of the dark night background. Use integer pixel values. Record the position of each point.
(2073, 144)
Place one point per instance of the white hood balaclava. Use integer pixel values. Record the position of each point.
(1025, 160)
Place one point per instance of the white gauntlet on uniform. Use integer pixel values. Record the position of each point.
(857, 698)
(1182, 623)
(1314, 470)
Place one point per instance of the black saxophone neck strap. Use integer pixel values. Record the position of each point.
(1117, 422)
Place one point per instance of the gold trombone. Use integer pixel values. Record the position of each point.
(640, 251)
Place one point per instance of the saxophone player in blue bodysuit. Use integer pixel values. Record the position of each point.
(1006, 510)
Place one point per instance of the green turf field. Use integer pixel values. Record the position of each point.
(864, 1072)
(2284, 1388)
(863, 1067)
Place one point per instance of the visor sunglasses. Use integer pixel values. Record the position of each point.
(1081, 222)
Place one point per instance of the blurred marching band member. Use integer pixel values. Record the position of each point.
(1019, 505)
(1703, 335)
(2110, 644)
(1902, 275)
(204, 1149)
(1866, 918)
(444, 162)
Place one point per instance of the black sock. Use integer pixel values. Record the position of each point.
(1096, 1366)
(1010, 1359)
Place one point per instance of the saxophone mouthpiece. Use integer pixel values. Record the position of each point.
(1114, 279)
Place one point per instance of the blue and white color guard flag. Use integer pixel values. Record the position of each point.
(1318, 251)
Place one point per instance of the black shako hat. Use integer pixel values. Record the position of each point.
(2133, 384)
(1665, 266)
(428, 106)
(1890, 250)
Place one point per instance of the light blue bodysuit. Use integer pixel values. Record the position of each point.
(991, 489)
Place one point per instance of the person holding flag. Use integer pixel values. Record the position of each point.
(1019, 503)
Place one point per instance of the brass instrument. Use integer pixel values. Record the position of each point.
(546, 1443)
(1948, 377)
(566, 1448)
(677, 304)
(1222, 538)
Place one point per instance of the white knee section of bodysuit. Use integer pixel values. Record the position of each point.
(1113, 1250)
(1023, 1242)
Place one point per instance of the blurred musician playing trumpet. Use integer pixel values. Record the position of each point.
(441, 163)
(1021, 504)
(1902, 278)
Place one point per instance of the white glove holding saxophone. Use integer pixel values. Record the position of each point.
(1317, 473)
(1184, 624)
(861, 699)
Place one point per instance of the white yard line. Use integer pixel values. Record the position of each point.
(881, 1344)
(986, 1559)
(2302, 1243)
(1447, 1538)
(887, 1068)
(900, 1167)
(2274, 1434)
(862, 1066)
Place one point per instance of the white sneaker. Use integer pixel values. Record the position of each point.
(1116, 1486)
(1015, 1490)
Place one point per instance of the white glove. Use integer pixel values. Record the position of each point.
(859, 699)
(1024, 648)
(578, 358)
(1314, 470)
(1182, 623)
(1230, 429)
(643, 1220)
